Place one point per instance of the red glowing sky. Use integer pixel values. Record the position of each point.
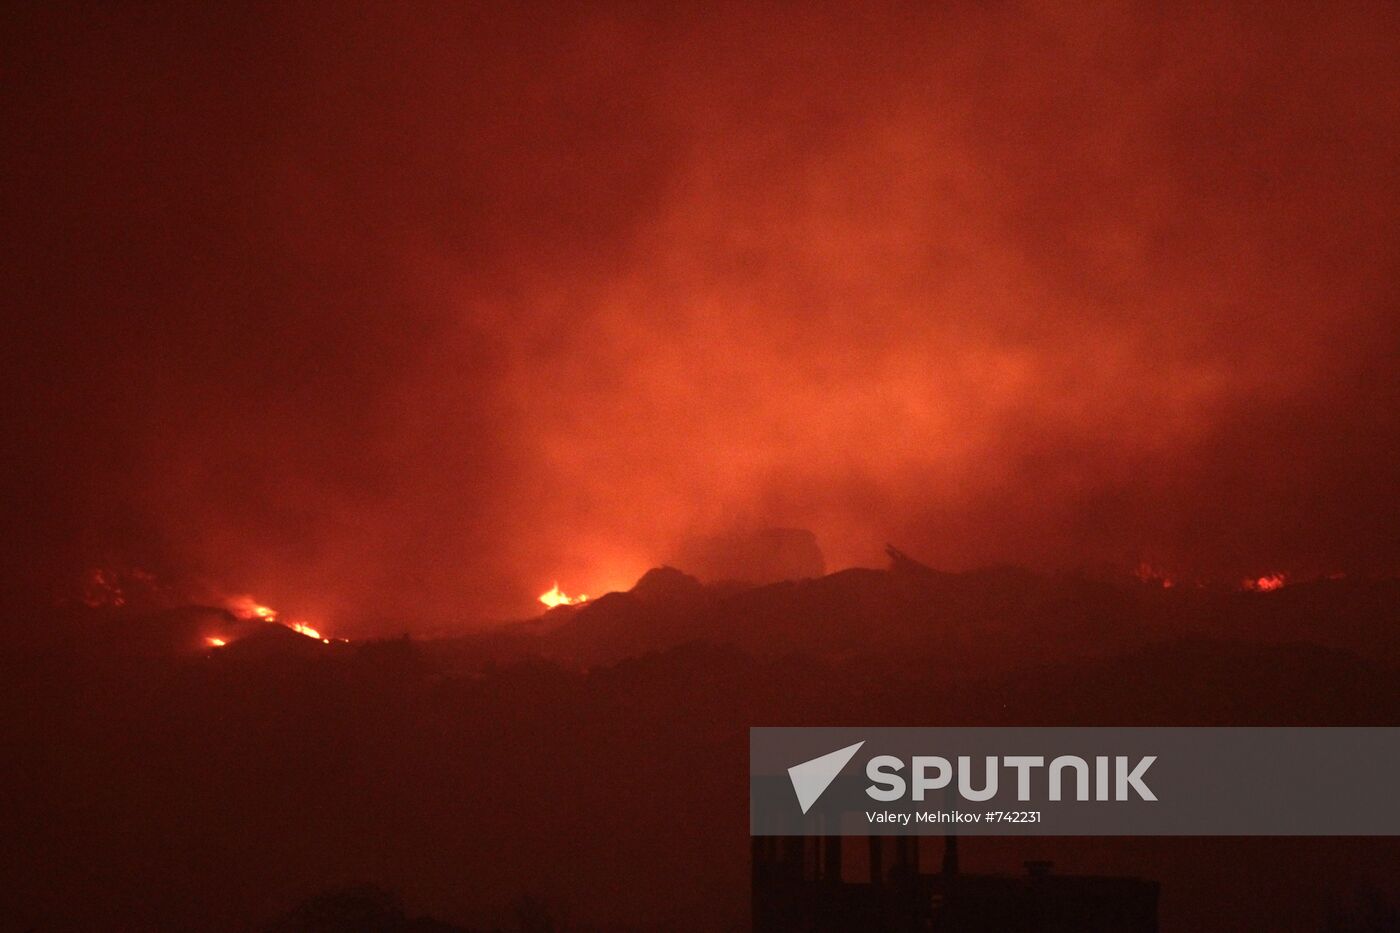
(409, 312)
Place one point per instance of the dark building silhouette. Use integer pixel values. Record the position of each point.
(798, 887)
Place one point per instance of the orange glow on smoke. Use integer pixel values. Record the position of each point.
(557, 597)
(246, 607)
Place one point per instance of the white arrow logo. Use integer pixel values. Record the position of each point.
(811, 778)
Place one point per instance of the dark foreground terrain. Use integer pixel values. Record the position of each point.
(586, 770)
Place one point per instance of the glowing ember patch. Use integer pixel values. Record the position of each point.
(1153, 576)
(557, 597)
(102, 587)
(1267, 583)
(215, 642)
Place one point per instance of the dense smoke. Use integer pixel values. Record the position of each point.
(403, 313)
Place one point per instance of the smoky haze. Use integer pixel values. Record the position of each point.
(403, 313)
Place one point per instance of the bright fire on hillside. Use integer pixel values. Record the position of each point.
(247, 608)
(215, 642)
(1267, 583)
(557, 597)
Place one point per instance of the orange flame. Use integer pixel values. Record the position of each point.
(306, 630)
(215, 642)
(557, 597)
